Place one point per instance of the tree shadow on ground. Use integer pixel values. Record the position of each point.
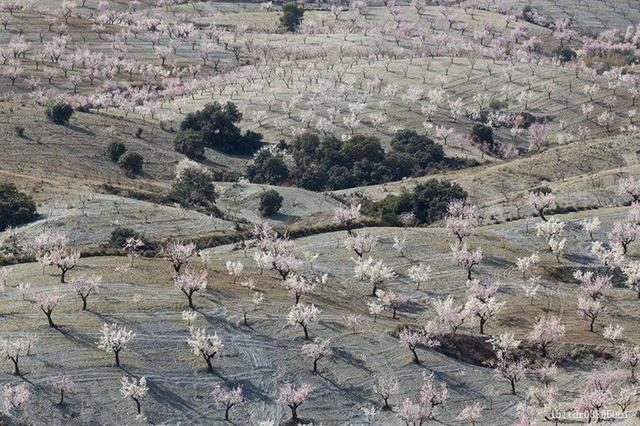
(348, 358)
(165, 396)
(353, 391)
(579, 259)
(283, 217)
(79, 129)
(76, 338)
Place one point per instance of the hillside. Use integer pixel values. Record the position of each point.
(179, 387)
(582, 175)
(220, 213)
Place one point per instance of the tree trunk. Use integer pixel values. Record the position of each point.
(84, 303)
(209, 366)
(415, 356)
(386, 405)
(16, 368)
(226, 412)
(61, 397)
(51, 324)
(306, 333)
(513, 386)
(117, 353)
(64, 272)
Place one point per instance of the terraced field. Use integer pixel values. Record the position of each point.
(265, 353)
(555, 84)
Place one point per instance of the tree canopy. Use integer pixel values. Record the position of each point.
(16, 208)
(428, 202)
(326, 162)
(216, 125)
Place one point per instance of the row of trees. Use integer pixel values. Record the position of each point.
(482, 302)
(319, 163)
(519, 47)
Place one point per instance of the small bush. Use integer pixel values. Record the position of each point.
(528, 14)
(270, 203)
(428, 202)
(432, 198)
(152, 197)
(543, 189)
(225, 175)
(131, 163)
(189, 143)
(16, 208)
(564, 54)
(482, 134)
(115, 150)
(529, 119)
(19, 131)
(139, 131)
(119, 237)
(194, 188)
(292, 14)
(59, 113)
(497, 104)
